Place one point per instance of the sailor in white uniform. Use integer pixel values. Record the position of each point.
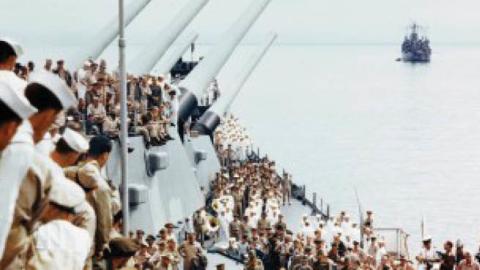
(60, 244)
(49, 95)
(10, 51)
(428, 258)
(14, 109)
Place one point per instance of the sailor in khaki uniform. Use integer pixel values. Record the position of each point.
(120, 252)
(14, 109)
(59, 244)
(49, 95)
(99, 194)
(67, 151)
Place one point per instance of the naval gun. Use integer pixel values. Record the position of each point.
(209, 121)
(199, 79)
(149, 56)
(108, 34)
(167, 62)
(199, 148)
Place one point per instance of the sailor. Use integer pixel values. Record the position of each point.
(10, 50)
(99, 194)
(286, 188)
(373, 247)
(67, 151)
(190, 251)
(60, 244)
(427, 257)
(120, 252)
(174, 106)
(49, 95)
(14, 109)
(382, 251)
(281, 223)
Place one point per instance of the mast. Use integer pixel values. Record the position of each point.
(123, 117)
(360, 215)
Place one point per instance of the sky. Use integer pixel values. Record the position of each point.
(73, 22)
(61, 28)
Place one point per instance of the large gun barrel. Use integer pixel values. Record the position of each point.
(108, 33)
(199, 79)
(209, 121)
(167, 63)
(146, 60)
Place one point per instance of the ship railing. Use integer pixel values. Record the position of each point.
(396, 241)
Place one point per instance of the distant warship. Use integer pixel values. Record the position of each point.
(416, 48)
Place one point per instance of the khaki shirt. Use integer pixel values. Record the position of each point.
(101, 201)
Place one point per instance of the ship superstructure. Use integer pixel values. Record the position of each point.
(416, 48)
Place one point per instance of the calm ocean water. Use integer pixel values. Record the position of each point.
(406, 136)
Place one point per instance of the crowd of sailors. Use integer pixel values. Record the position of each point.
(152, 102)
(60, 211)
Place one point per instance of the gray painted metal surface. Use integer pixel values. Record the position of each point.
(107, 34)
(207, 168)
(172, 194)
(146, 59)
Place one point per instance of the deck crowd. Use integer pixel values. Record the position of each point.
(60, 211)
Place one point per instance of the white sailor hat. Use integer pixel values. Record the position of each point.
(427, 238)
(14, 45)
(66, 193)
(56, 85)
(75, 140)
(15, 101)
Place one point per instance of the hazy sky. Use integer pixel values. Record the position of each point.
(72, 22)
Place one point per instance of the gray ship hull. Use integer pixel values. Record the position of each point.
(169, 195)
(209, 165)
(415, 57)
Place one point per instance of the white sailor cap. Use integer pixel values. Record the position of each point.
(56, 85)
(14, 45)
(75, 140)
(66, 193)
(15, 101)
(427, 238)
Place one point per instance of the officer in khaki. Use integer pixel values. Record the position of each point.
(99, 194)
(49, 95)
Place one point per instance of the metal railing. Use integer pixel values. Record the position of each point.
(396, 241)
